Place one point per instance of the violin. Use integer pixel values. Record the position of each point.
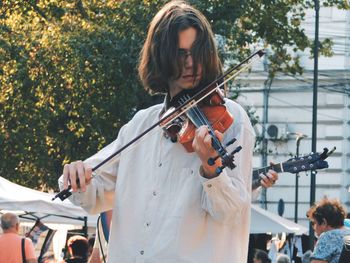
(187, 105)
(182, 129)
(212, 113)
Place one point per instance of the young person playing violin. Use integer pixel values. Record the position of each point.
(170, 205)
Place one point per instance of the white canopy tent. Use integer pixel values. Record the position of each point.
(39, 205)
(32, 204)
(263, 221)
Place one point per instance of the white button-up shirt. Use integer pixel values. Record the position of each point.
(163, 209)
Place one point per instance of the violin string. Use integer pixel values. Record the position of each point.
(204, 121)
(195, 112)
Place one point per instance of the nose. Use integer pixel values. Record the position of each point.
(188, 60)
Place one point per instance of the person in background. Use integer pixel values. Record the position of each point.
(91, 242)
(78, 248)
(260, 256)
(347, 221)
(169, 203)
(99, 253)
(327, 217)
(282, 258)
(306, 256)
(13, 247)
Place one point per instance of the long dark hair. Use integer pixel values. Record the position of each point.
(160, 59)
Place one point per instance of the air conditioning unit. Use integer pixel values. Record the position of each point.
(276, 131)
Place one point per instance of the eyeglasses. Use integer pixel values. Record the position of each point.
(184, 53)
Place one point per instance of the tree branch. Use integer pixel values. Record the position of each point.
(38, 10)
(79, 5)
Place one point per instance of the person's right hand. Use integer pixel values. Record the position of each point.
(77, 175)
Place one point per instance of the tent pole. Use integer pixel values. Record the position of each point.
(85, 229)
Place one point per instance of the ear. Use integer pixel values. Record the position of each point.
(324, 222)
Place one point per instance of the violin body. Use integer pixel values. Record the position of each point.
(215, 117)
(219, 118)
(183, 128)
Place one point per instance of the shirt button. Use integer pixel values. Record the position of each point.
(160, 164)
(142, 252)
(209, 185)
(148, 224)
(154, 193)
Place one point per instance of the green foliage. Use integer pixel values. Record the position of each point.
(68, 73)
(68, 82)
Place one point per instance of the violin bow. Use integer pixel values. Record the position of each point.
(181, 109)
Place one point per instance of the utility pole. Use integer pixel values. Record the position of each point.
(267, 87)
(314, 117)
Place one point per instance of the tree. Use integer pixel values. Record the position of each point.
(68, 73)
(69, 82)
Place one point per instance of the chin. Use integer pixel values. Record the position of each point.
(190, 85)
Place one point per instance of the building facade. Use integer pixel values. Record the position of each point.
(288, 109)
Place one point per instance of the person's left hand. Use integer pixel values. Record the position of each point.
(202, 145)
(269, 179)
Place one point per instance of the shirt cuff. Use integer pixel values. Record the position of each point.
(202, 173)
(215, 182)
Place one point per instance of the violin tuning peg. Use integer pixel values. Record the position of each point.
(211, 161)
(231, 142)
(236, 150)
(219, 169)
